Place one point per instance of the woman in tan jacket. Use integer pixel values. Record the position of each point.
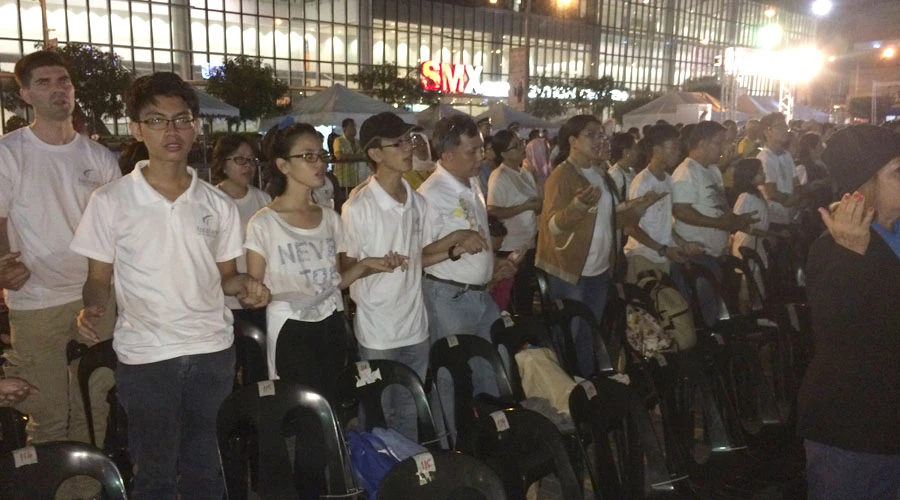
(576, 237)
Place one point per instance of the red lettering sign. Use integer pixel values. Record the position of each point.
(450, 78)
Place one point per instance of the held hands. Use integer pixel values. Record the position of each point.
(471, 242)
(676, 254)
(692, 249)
(87, 322)
(849, 222)
(386, 264)
(13, 274)
(742, 222)
(533, 204)
(14, 390)
(253, 293)
(503, 268)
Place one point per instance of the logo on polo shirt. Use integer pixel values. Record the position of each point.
(89, 178)
(207, 226)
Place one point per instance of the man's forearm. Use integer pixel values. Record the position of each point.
(233, 284)
(437, 251)
(690, 215)
(95, 293)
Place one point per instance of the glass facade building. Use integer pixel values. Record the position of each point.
(641, 44)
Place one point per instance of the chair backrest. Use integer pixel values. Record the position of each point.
(441, 475)
(250, 343)
(274, 410)
(543, 282)
(100, 355)
(364, 383)
(526, 445)
(697, 273)
(751, 256)
(512, 332)
(566, 313)
(35, 472)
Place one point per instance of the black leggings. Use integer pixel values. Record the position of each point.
(313, 353)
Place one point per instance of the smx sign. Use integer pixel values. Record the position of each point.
(451, 78)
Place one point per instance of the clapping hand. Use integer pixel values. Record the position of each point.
(254, 293)
(849, 221)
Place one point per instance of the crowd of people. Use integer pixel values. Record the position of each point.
(440, 231)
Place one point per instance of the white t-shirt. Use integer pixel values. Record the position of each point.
(164, 255)
(44, 190)
(509, 187)
(601, 241)
(390, 307)
(622, 178)
(703, 189)
(301, 270)
(453, 206)
(247, 206)
(745, 204)
(657, 220)
(778, 169)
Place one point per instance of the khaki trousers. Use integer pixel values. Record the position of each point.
(638, 264)
(39, 338)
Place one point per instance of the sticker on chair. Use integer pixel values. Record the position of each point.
(266, 388)
(365, 374)
(25, 456)
(425, 468)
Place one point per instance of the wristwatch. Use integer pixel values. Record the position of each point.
(662, 250)
(450, 253)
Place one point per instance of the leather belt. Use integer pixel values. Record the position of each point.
(464, 286)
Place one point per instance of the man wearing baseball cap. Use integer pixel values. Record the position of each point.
(384, 214)
(849, 403)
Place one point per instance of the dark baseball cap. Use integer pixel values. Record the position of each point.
(854, 155)
(384, 125)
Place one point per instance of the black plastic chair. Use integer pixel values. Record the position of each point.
(265, 416)
(441, 475)
(565, 313)
(250, 350)
(524, 446)
(12, 429)
(36, 472)
(353, 392)
(100, 355)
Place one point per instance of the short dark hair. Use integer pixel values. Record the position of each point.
(501, 141)
(347, 121)
(449, 130)
(704, 131)
(40, 59)
(771, 119)
(659, 135)
(279, 146)
(618, 144)
(144, 91)
(744, 171)
(225, 147)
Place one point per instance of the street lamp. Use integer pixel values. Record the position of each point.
(888, 53)
(821, 7)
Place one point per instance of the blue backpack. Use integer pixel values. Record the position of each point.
(371, 459)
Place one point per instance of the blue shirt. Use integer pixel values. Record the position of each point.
(892, 236)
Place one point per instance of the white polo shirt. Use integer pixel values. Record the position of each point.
(390, 308)
(778, 169)
(247, 206)
(657, 220)
(44, 190)
(164, 255)
(509, 187)
(703, 189)
(452, 206)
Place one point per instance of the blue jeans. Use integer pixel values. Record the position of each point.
(837, 474)
(707, 298)
(399, 408)
(590, 290)
(171, 407)
(453, 311)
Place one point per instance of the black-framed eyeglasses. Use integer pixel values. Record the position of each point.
(399, 144)
(159, 123)
(324, 156)
(595, 135)
(243, 161)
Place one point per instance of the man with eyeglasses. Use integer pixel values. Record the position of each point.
(170, 241)
(47, 174)
(385, 215)
(457, 288)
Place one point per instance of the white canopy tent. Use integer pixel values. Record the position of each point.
(677, 107)
(502, 115)
(759, 106)
(332, 106)
(213, 107)
(429, 116)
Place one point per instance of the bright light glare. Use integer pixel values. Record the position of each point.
(769, 36)
(832, 58)
(821, 7)
(770, 12)
(798, 65)
(889, 53)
